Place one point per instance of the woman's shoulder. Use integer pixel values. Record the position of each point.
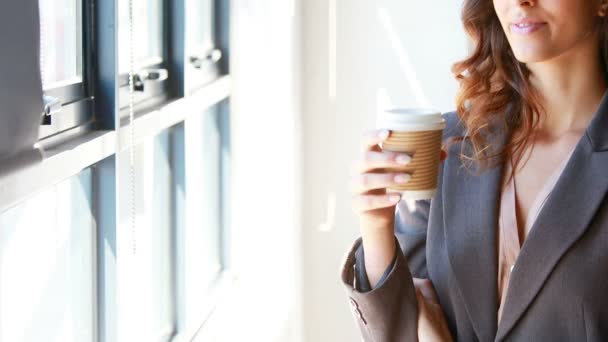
(454, 127)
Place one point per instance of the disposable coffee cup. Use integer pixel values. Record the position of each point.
(417, 132)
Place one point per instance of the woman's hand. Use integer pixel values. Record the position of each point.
(376, 207)
(432, 326)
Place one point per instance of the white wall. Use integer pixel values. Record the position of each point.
(359, 55)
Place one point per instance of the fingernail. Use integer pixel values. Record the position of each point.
(403, 159)
(394, 198)
(402, 178)
(384, 134)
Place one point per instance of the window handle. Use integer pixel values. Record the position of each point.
(156, 75)
(148, 75)
(138, 83)
(52, 106)
(211, 58)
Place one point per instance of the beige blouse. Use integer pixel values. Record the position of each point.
(508, 235)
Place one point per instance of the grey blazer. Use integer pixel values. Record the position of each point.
(558, 289)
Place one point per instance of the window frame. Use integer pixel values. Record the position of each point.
(211, 67)
(76, 98)
(155, 92)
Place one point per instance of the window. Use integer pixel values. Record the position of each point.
(145, 278)
(60, 43)
(199, 147)
(47, 265)
(147, 51)
(112, 238)
(202, 30)
(203, 56)
(147, 34)
(63, 62)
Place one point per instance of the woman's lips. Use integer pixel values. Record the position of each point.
(526, 28)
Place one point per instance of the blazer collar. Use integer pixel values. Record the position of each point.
(598, 126)
(471, 220)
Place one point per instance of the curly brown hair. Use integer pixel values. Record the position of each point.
(495, 91)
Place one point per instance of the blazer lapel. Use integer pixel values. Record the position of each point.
(563, 219)
(470, 214)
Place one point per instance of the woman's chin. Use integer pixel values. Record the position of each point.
(528, 56)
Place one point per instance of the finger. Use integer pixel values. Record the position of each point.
(376, 160)
(363, 203)
(426, 288)
(372, 181)
(374, 137)
(422, 308)
(424, 324)
(432, 325)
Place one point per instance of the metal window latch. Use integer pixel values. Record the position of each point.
(157, 75)
(52, 106)
(211, 58)
(138, 83)
(154, 75)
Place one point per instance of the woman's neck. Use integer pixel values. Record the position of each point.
(571, 86)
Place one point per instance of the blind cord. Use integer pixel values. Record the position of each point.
(132, 130)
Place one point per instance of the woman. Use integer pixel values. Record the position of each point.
(513, 246)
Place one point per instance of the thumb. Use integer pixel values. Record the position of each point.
(422, 309)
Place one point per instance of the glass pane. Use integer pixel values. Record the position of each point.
(47, 265)
(147, 33)
(145, 269)
(196, 152)
(60, 42)
(200, 26)
(202, 243)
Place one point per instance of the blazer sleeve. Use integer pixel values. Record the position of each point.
(361, 280)
(410, 231)
(389, 311)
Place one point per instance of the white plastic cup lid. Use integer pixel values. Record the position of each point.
(410, 119)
